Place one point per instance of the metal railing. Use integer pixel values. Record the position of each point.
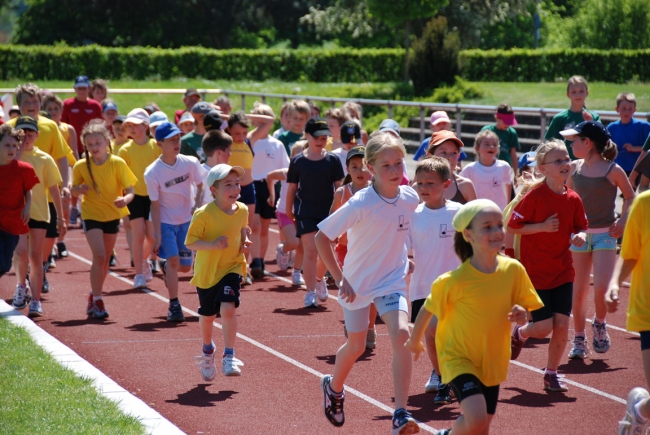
(458, 109)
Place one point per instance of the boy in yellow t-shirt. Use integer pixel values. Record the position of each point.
(218, 234)
(635, 253)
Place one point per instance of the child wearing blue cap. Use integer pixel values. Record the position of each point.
(170, 179)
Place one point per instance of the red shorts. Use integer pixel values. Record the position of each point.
(341, 251)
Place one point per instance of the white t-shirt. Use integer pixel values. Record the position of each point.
(342, 154)
(284, 188)
(278, 132)
(207, 195)
(490, 181)
(377, 260)
(269, 156)
(172, 187)
(431, 237)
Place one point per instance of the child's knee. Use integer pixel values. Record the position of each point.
(100, 258)
(227, 309)
(477, 422)
(400, 336)
(356, 343)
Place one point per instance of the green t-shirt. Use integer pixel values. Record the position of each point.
(508, 139)
(564, 121)
(288, 138)
(191, 146)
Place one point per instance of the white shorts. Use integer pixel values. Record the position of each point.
(358, 320)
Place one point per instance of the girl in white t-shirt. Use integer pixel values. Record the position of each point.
(374, 272)
(492, 177)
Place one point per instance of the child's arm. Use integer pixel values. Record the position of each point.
(24, 215)
(326, 253)
(271, 178)
(245, 246)
(518, 314)
(58, 206)
(220, 242)
(198, 200)
(73, 142)
(338, 198)
(122, 201)
(514, 161)
(618, 177)
(622, 271)
(550, 225)
(155, 219)
(414, 343)
(291, 193)
(262, 130)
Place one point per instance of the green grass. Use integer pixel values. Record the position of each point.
(40, 396)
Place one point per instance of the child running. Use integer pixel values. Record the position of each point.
(596, 178)
(475, 304)
(106, 183)
(431, 236)
(445, 144)
(549, 219)
(635, 254)
(218, 234)
(374, 272)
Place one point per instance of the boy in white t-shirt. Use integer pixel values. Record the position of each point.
(217, 147)
(170, 180)
(431, 236)
(350, 137)
(492, 178)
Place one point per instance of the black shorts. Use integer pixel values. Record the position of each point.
(110, 227)
(307, 225)
(556, 300)
(52, 228)
(39, 225)
(226, 290)
(467, 385)
(262, 207)
(8, 244)
(645, 340)
(247, 194)
(416, 305)
(140, 207)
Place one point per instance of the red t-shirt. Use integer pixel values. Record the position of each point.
(546, 256)
(178, 114)
(16, 178)
(79, 113)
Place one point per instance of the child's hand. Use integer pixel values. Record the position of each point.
(552, 224)
(414, 346)
(221, 242)
(611, 299)
(628, 147)
(249, 231)
(245, 247)
(61, 226)
(346, 291)
(83, 189)
(518, 314)
(578, 240)
(120, 202)
(156, 244)
(587, 116)
(617, 228)
(290, 215)
(271, 201)
(24, 215)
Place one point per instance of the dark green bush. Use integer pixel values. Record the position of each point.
(462, 90)
(63, 62)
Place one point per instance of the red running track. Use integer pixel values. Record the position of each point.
(286, 347)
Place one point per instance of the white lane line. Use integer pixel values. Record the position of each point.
(273, 352)
(139, 341)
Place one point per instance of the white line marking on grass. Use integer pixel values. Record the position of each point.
(272, 351)
(126, 402)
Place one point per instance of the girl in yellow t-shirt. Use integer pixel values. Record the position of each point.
(474, 305)
(101, 178)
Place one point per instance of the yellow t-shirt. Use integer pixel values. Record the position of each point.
(48, 175)
(241, 155)
(50, 140)
(138, 157)
(111, 178)
(473, 334)
(115, 149)
(636, 246)
(209, 223)
(65, 132)
(328, 145)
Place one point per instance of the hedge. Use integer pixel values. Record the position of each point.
(38, 62)
(526, 65)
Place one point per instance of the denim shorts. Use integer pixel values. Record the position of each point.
(358, 320)
(172, 243)
(597, 242)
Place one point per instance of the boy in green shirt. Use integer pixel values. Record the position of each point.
(508, 138)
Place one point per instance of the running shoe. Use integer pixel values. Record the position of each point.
(404, 423)
(332, 403)
(112, 261)
(630, 425)
(20, 297)
(74, 215)
(282, 258)
(432, 384)
(162, 263)
(153, 264)
(206, 365)
(139, 281)
(311, 300)
(175, 312)
(371, 339)
(230, 366)
(35, 309)
(90, 304)
(146, 271)
(554, 382)
(516, 344)
(45, 288)
(444, 432)
(247, 280)
(296, 277)
(62, 249)
(443, 397)
(257, 268)
(601, 340)
(99, 311)
(51, 263)
(321, 290)
(579, 349)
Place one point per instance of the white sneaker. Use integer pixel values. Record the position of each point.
(139, 281)
(296, 277)
(146, 271)
(432, 384)
(630, 425)
(321, 290)
(579, 349)
(35, 309)
(20, 297)
(601, 341)
(230, 366)
(310, 299)
(205, 363)
(282, 258)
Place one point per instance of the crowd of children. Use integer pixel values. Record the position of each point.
(199, 195)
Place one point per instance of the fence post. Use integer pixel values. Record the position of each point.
(421, 123)
(332, 104)
(203, 95)
(264, 99)
(243, 102)
(542, 123)
(459, 122)
(390, 111)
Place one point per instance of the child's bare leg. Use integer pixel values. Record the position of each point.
(474, 420)
(228, 324)
(309, 260)
(36, 242)
(101, 246)
(48, 245)
(264, 236)
(372, 317)
(298, 258)
(604, 262)
(290, 242)
(557, 345)
(397, 323)
(320, 268)
(346, 356)
(171, 276)
(582, 266)
(126, 223)
(205, 324)
(21, 259)
(148, 240)
(138, 229)
(430, 339)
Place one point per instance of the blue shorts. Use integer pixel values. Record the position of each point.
(172, 243)
(247, 194)
(597, 242)
(358, 320)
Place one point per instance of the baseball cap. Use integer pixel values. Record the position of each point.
(186, 117)
(591, 129)
(350, 131)
(14, 108)
(109, 106)
(120, 119)
(354, 152)
(212, 120)
(137, 116)
(439, 137)
(45, 114)
(389, 126)
(528, 159)
(81, 82)
(201, 108)
(439, 116)
(317, 127)
(191, 91)
(25, 122)
(166, 130)
(221, 171)
(157, 118)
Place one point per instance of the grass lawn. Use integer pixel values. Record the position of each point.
(40, 396)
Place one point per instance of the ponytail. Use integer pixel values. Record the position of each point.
(462, 247)
(610, 151)
(347, 179)
(90, 171)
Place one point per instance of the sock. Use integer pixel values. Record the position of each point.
(173, 300)
(97, 298)
(550, 372)
(597, 320)
(334, 393)
(228, 351)
(581, 334)
(208, 349)
(637, 412)
(297, 270)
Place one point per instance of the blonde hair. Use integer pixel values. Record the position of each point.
(352, 109)
(382, 142)
(576, 80)
(262, 109)
(434, 165)
(96, 126)
(301, 106)
(98, 84)
(540, 154)
(298, 147)
(29, 89)
(626, 96)
(50, 98)
(8, 130)
(482, 135)
(338, 114)
(286, 106)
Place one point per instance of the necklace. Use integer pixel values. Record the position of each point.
(394, 203)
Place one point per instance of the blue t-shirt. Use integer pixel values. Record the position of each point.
(423, 150)
(634, 132)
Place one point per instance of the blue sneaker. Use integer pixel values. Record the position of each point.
(404, 423)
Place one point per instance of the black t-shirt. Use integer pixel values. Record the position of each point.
(315, 179)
